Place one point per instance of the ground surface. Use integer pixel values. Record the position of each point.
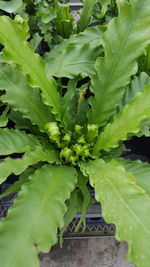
(89, 252)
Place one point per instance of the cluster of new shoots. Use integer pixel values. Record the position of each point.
(76, 145)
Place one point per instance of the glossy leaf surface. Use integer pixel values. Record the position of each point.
(10, 6)
(21, 53)
(38, 212)
(128, 120)
(72, 209)
(15, 141)
(136, 86)
(124, 41)
(16, 187)
(123, 203)
(140, 170)
(21, 97)
(76, 55)
(16, 166)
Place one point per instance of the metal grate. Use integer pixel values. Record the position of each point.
(95, 224)
(93, 228)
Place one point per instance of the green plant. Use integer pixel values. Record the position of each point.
(67, 134)
(49, 21)
(52, 20)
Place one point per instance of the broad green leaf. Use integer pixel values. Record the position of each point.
(72, 209)
(137, 85)
(140, 170)
(4, 117)
(36, 40)
(124, 41)
(66, 100)
(17, 166)
(147, 63)
(75, 113)
(11, 6)
(76, 55)
(82, 105)
(85, 15)
(36, 215)
(16, 187)
(15, 141)
(22, 123)
(69, 118)
(78, 203)
(105, 4)
(17, 50)
(125, 204)
(82, 181)
(145, 128)
(128, 120)
(64, 19)
(21, 97)
(46, 14)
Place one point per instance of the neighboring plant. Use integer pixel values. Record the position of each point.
(60, 135)
(49, 20)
